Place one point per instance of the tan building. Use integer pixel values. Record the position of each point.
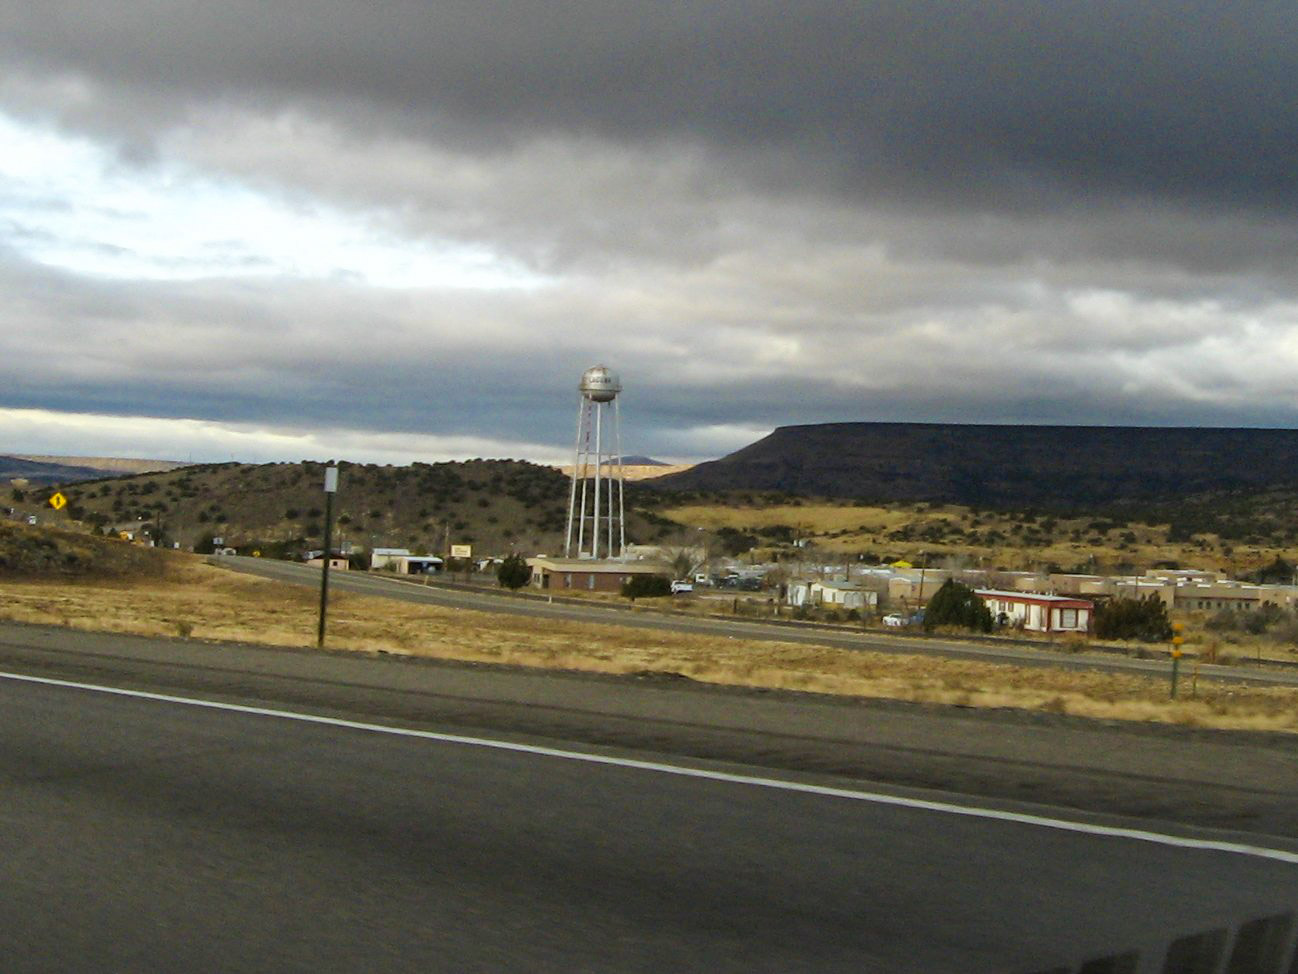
(914, 587)
(336, 564)
(587, 575)
(843, 595)
(1070, 584)
(1214, 596)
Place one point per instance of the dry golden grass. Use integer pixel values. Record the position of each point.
(203, 601)
(1069, 542)
(814, 518)
(637, 471)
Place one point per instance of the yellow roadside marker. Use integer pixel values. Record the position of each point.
(58, 501)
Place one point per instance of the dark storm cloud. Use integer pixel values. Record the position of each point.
(999, 104)
(759, 213)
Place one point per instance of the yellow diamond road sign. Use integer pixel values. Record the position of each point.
(58, 502)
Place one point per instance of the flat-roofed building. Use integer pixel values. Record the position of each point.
(589, 575)
(844, 595)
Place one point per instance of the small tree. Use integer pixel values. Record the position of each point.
(1144, 619)
(514, 572)
(955, 604)
(646, 586)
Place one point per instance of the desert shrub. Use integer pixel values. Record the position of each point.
(1144, 619)
(514, 572)
(955, 604)
(1262, 618)
(1224, 620)
(1286, 630)
(646, 587)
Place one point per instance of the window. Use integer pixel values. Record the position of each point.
(1067, 618)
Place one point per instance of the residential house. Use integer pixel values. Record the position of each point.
(1038, 613)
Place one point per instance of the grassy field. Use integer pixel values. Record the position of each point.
(192, 599)
(965, 537)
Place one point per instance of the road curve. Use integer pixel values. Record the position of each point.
(410, 591)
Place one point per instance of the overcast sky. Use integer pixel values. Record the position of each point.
(401, 230)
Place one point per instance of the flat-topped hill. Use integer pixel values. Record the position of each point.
(1002, 466)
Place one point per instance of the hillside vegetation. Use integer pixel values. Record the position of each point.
(34, 553)
(495, 505)
(500, 506)
(1237, 533)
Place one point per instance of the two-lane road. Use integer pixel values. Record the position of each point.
(139, 833)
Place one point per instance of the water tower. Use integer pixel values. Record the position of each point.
(595, 507)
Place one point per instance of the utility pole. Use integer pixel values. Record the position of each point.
(1177, 640)
(331, 488)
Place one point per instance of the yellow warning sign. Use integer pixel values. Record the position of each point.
(58, 502)
(256, 554)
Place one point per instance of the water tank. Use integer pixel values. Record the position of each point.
(600, 384)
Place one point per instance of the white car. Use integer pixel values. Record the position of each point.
(896, 620)
(680, 586)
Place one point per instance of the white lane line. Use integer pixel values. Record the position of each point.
(948, 808)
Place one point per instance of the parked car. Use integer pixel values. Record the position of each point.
(896, 620)
(682, 586)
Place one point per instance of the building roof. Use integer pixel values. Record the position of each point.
(1061, 600)
(389, 551)
(598, 566)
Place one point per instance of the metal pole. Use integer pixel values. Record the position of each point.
(331, 487)
(585, 462)
(1177, 640)
(599, 458)
(621, 479)
(572, 491)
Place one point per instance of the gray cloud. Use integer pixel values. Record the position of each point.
(1010, 102)
(761, 214)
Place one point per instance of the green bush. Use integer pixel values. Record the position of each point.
(955, 604)
(646, 587)
(1144, 619)
(514, 572)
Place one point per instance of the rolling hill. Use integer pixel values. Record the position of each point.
(44, 471)
(495, 505)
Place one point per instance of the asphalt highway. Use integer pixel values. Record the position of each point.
(433, 594)
(148, 834)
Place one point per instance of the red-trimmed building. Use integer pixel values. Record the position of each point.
(1038, 613)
